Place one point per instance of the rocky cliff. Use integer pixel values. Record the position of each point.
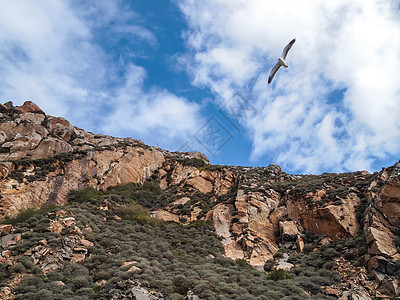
(257, 212)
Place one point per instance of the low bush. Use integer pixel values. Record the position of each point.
(84, 195)
(27, 214)
(171, 258)
(279, 275)
(268, 265)
(194, 162)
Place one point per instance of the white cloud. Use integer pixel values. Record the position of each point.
(47, 56)
(341, 45)
(52, 52)
(159, 114)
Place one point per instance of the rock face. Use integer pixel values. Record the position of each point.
(254, 210)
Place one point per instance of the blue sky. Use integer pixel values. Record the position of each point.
(190, 75)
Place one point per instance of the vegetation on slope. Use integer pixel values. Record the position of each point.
(170, 258)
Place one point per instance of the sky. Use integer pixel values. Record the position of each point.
(187, 75)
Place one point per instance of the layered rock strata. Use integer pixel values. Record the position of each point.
(254, 210)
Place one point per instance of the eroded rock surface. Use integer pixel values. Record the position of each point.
(254, 210)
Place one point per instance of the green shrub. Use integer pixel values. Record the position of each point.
(308, 248)
(330, 253)
(172, 258)
(279, 275)
(137, 213)
(26, 261)
(310, 286)
(18, 268)
(268, 265)
(84, 195)
(194, 162)
(27, 214)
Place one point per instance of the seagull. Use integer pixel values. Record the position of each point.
(281, 61)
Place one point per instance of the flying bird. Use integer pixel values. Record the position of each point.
(281, 61)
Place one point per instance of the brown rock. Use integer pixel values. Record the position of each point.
(274, 169)
(191, 296)
(3, 108)
(81, 250)
(58, 282)
(198, 155)
(260, 253)
(394, 286)
(8, 244)
(289, 230)
(3, 136)
(70, 221)
(128, 263)
(325, 241)
(55, 226)
(300, 244)
(5, 228)
(379, 277)
(181, 173)
(5, 169)
(335, 221)
(241, 206)
(221, 217)
(24, 143)
(133, 269)
(52, 122)
(389, 200)
(86, 243)
(62, 128)
(110, 167)
(166, 216)
(332, 291)
(9, 104)
(380, 242)
(76, 231)
(49, 147)
(29, 106)
(223, 182)
(78, 258)
(258, 222)
(202, 185)
(180, 201)
(24, 129)
(31, 117)
(61, 213)
(163, 183)
(100, 283)
(50, 267)
(6, 253)
(5, 240)
(373, 263)
(131, 166)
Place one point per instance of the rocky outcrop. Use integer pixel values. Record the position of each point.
(388, 201)
(255, 211)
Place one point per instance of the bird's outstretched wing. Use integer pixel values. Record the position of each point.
(273, 71)
(287, 48)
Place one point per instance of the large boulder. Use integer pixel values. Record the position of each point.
(30, 107)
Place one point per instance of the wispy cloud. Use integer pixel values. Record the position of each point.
(347, 48)
(159, 115)
(57, 53)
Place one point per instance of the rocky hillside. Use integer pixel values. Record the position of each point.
(258, 213)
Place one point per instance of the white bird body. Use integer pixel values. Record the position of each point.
(281, 61)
